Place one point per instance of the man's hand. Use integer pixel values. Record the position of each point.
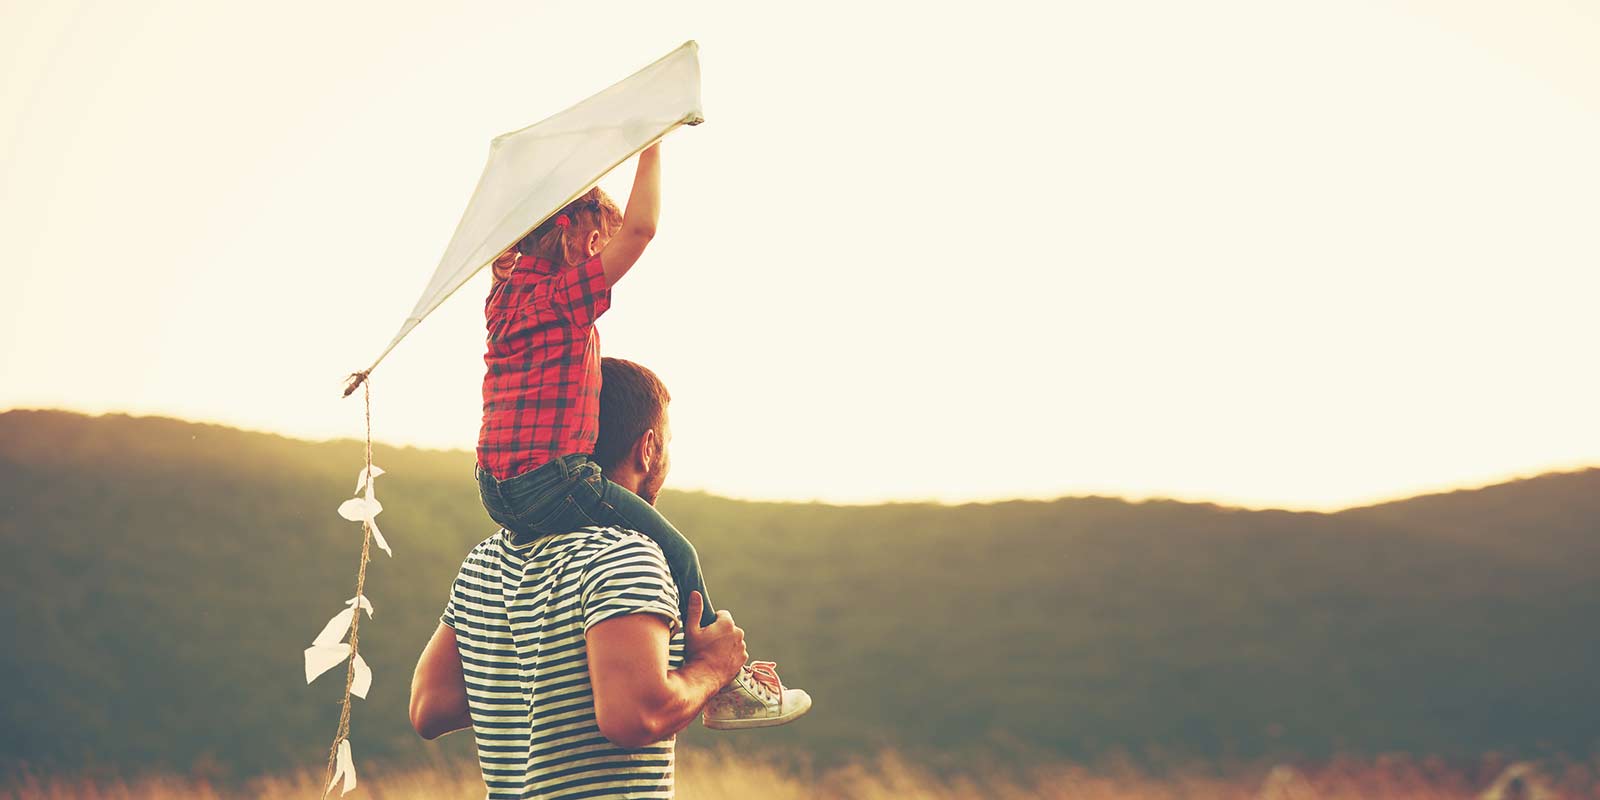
(637, 699)
(720, 646)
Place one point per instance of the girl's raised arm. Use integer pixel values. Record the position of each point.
(638, 220)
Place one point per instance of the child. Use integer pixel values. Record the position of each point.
(541, 395)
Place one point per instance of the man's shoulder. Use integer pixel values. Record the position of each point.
(610, 570)
(590, 545)
(609, 537)
(575, 548)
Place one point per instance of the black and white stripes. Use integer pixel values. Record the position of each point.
(519, 614)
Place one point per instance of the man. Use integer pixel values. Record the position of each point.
(566, 654)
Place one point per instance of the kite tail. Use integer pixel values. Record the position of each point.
(343, 732)
(355, 380)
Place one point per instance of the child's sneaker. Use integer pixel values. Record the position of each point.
(755, 699)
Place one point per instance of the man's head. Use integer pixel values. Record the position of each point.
(634, 432)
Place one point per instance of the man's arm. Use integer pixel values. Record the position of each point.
(639, 701)
(638, 221)
(438, 690)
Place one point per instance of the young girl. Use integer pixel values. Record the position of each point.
(541, 396)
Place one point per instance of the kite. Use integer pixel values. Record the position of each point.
(532, 173)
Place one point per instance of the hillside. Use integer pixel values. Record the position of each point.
(162, 578)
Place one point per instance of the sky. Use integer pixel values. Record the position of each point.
(1272, 254)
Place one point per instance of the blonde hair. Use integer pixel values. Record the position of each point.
(566, 245)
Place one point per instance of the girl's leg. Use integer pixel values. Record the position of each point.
(606, 503)
(535, 503)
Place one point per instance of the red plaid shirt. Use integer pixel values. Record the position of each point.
(541, 393)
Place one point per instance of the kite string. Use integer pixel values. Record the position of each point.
(343, 731)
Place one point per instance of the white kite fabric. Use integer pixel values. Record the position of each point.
(534, 172)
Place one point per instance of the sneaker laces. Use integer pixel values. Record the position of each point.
(766, 674)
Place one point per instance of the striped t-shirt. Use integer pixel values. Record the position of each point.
(520, 613)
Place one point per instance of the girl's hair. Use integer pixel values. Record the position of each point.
(565, 245)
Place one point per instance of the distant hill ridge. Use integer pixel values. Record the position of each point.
(164, 428)
(163, 577)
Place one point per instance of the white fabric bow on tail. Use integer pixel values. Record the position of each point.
(365, 506)
(344, 768)
(329, 649)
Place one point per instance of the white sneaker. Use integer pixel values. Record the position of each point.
(755, 699)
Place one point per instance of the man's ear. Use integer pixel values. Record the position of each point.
(649, 450)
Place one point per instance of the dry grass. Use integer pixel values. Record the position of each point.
(725, 776)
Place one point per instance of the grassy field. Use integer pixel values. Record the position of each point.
(705, 775)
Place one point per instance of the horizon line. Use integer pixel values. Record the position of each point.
(1132, 498)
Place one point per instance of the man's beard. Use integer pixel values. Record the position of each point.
(650, 484)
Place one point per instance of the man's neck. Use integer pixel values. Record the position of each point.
(626, 478)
